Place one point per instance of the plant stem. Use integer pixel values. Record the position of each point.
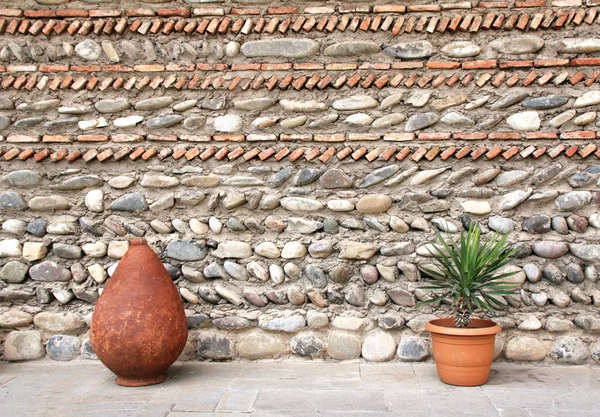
(462, 317)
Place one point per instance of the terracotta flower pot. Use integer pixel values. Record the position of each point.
(463, 356)
(139, 327)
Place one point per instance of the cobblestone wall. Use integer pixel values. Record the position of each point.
(290, 161)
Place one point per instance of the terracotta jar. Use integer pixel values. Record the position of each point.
(139, 327)
(463, 356)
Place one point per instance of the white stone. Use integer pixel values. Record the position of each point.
(524, 121)
(117, 248)
(10, 248)
(476, 207)
(95, 250)
(228, 123)
(267, 250)
(94, 201)
(98, 273)
(293, 250)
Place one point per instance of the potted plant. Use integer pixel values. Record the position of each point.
(469, 278)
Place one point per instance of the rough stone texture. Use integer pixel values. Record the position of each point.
(23, 346)
(290, 167)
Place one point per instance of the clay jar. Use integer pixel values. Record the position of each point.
(139, 327)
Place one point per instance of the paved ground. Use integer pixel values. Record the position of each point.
(273, 389)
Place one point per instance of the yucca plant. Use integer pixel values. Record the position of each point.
(468, 272)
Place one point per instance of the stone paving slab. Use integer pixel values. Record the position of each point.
(283, 389)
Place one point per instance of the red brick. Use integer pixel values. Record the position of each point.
(492, 4)
(435, 136)
(572, 150)
(527, 151)
(282, 10)
(494, 152)
(510, 152)
(443, 65)
(403, 153)
(516, 64)
(504, 136)
(583, 134)
(448, 153)
(576, 62)
(541, 135)
(484, 64)
(389, 8)
(419, 154)
(530, 3)
(551, 62)
(38, 14)
(469, 135)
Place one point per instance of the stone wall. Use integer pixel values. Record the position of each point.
(290, 161)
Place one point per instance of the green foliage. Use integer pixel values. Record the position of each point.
(468, 274)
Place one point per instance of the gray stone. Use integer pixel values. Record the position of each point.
(572, 200)
(232, 323)
(413, 348)
(420, 121)
(37, 227)
(290, 324)
(517, 45)
(162, 122)
(13, 272)
(544, 103)
(154, 103)
(401, 297)
(411, 50)
(88, 50)
(49, 271)
(12, 201)
(131, 203)
(538, 223)
(379, 175)
(23, 178)
(553, 274)
(213, 345)
(185, 250)
(570, 350)
(532, 272)
(112, 106)
(352, 48)
(315, 276)
(80, 183)
(307, 344)
(509, 100)
(255, 104)
(67, 251)
(282, 48)
(307, 176)
(461, 49)
(63, 347)
(586, 252)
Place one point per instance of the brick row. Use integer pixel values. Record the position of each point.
(270, 81)
(312, 154)
(215, 22)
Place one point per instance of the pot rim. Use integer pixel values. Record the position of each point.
(482, 327)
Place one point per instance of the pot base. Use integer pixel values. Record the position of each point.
(139, 382)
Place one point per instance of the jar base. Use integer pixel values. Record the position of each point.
(139, 382)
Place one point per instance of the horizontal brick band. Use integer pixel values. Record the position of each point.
(314, 154)
(214, 22)
(270, 81)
